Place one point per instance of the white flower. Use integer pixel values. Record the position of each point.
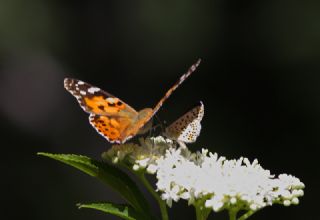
(223, 183)
(204, 176)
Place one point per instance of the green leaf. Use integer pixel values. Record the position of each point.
(122, 211)
(110, 175)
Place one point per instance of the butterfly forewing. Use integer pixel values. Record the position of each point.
(96, 101)
(187, 128)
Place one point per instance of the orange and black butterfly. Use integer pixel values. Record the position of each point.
(111, 117)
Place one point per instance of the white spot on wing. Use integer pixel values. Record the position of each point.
(92, 90)
(110, 100)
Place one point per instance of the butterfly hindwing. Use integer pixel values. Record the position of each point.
(187, 128)
(112, 128)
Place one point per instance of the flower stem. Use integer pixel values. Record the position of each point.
(202, 213)
(233, 214)
(246, 215)
(162, 204)
(199, 214)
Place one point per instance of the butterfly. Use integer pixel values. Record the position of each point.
(111, 117)
(186, 129)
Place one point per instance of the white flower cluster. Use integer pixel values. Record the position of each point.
(143, 156)
(222, 183)
(203, 176)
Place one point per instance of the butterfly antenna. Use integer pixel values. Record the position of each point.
(151, 129)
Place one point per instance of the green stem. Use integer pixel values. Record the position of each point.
(202, 213)
(246, 215)
(162, 204)
(199, 214)
(233, 214)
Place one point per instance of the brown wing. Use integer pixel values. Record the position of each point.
(96, 101)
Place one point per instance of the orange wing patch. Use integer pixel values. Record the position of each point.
(101, 106)
(111, 128)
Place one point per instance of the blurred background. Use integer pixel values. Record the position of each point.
(259, 80)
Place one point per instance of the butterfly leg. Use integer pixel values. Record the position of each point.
(147, 127)
(160, 124)
(182, 145)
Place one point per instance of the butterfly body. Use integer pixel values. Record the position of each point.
(111, 117)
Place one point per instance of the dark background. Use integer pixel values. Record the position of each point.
(259, 80)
